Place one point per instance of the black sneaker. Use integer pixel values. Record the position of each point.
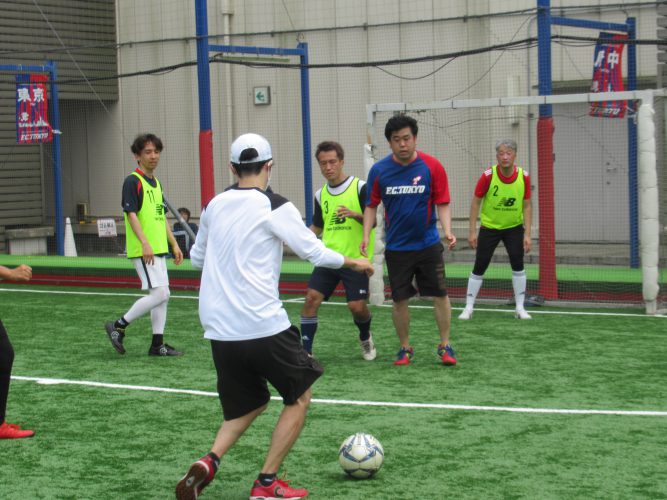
(164, 350)
(116, 336)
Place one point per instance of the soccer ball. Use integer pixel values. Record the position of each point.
(361, 455)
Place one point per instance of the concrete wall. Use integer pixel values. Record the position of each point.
(159, 33)
(337, 32)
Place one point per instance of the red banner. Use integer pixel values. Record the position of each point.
(608, 75)
(32, 120)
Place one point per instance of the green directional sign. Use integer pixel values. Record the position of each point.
(262, 95)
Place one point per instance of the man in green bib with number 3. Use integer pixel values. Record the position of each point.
(338, 217)
(148, 237)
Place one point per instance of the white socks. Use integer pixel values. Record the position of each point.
(474, 286)
(519, 285)
(156, 303)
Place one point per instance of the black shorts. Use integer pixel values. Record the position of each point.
(427, 266)
(325, 281)
(245, 366)
(488, 240)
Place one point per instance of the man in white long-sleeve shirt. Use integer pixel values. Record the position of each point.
(239, 248)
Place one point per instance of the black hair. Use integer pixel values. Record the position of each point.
(249, 168)
(399, 122)
(185, 211)
(142, 139)
(330, 146)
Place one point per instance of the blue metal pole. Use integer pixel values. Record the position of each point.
(244, 49)
(585, 23)
(57, 170)
(633, 194)
(206, 177)
(203, 73)
(544, 53)
(18, 68)
(305, 123)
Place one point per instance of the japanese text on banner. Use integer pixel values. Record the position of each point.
(32, 121)
(608, 75)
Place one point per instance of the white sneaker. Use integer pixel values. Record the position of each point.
(522, 314)
(466, 313)
(368, 349)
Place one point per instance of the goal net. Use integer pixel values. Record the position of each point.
(596, 187)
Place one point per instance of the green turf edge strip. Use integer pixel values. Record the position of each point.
(107, 266)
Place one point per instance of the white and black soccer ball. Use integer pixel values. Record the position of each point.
(361, 455)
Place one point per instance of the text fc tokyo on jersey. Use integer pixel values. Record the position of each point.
(404, 190)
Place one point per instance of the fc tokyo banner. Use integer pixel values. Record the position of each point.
(32, 121)
(608, 75)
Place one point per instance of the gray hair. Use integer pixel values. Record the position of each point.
(510, 143)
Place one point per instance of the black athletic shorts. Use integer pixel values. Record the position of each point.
(245, 366)
(426, 266)
(325, 280)
(487, 241)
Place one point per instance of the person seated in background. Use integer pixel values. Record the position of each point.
(185, 241)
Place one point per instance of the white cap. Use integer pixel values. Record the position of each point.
(251, 141)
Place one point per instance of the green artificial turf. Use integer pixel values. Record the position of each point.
(293, 268)
(110, 443)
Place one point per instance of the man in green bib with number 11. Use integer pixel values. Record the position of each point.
(148, 238)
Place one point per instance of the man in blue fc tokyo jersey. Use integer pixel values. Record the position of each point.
(503, 192)
(413, 187)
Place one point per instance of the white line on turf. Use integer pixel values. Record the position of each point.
(511, 311)
(79, 292)
(347, 402)
(300, 299)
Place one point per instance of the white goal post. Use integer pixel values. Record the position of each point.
(649, 228)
